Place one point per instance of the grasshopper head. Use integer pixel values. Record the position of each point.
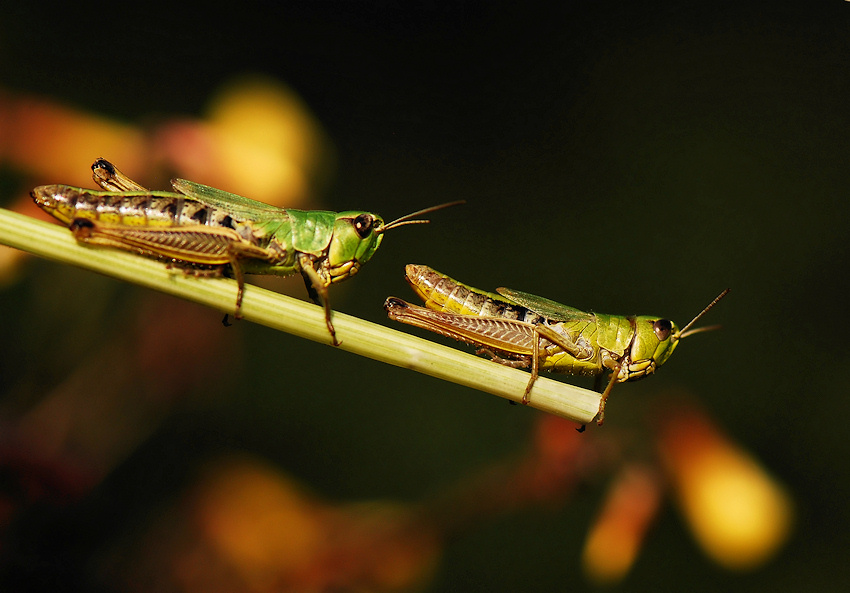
(654, 342)
(357, 236)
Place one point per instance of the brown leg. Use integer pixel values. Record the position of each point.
(318, 291)
(239, 276)
(535, 366)
(600, 415)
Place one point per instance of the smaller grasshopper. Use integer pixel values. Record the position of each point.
(205, 231)
(519, 330)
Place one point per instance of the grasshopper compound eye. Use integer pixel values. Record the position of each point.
(363, 225)
(662, 329)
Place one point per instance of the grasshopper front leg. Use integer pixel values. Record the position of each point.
(317, 290)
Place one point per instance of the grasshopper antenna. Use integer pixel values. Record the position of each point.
(406, 218)
(682, 333)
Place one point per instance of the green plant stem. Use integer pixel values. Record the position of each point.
(301, 319)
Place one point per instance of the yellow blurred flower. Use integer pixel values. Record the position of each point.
(738, 513)
(259, 140)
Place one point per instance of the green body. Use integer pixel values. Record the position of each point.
(342, 241)
(268, 240)
(582, 343)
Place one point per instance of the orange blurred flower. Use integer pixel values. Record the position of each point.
(266, 533)
(50, 139)
(617, 534)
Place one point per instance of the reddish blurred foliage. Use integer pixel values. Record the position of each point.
(245, 526)
(58, 450)
(618, 532)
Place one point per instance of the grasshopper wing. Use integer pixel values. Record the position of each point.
(549, 309)
(238, 206)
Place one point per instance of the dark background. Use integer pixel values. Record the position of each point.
(616, 157)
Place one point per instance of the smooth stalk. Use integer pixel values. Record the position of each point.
(301, 318)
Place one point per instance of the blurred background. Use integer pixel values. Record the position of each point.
(619, 158)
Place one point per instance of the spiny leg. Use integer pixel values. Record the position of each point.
(317, 290)
(535, 366)
(238, 275)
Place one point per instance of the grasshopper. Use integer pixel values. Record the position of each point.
(206, 231)
(519, 329)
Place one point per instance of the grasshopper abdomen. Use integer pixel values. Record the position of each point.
(442, 293)
(137, 208)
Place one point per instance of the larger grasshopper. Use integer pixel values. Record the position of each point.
(519, 329)
(207, 231)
